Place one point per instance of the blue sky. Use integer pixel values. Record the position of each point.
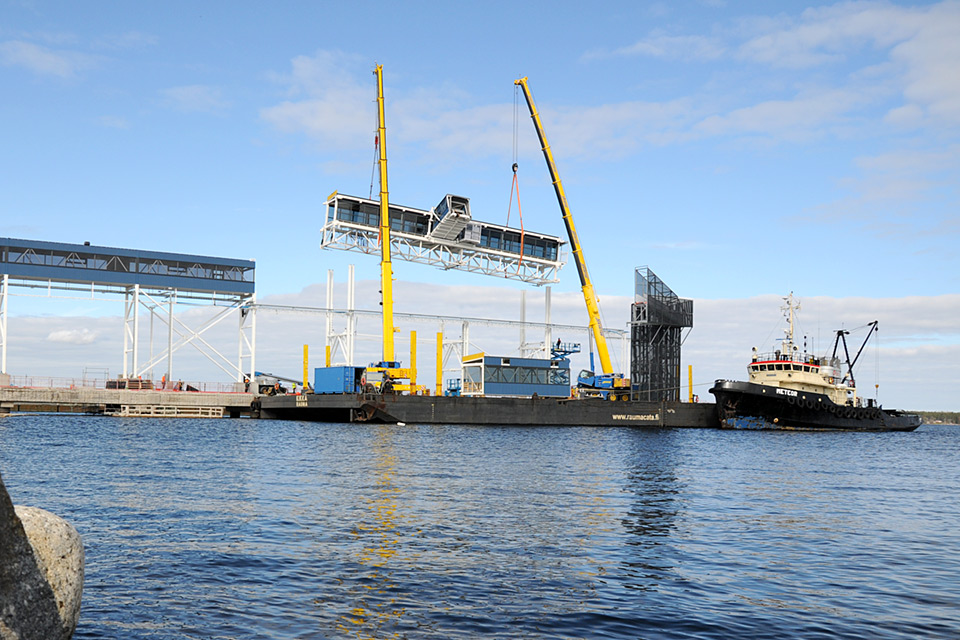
(739, 149)
(736, 149)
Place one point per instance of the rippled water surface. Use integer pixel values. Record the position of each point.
(271, 529)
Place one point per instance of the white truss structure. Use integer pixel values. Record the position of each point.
(160, 302)
(4, 289)
(179, 334)
(417, 235)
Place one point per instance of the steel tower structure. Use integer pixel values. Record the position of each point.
(657, 319)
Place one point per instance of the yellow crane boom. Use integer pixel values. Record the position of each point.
(589, 295)
(386, 264)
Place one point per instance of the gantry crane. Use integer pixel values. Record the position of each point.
(609, 380)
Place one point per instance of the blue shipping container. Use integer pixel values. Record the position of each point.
(337, 379)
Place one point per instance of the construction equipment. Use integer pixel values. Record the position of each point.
(608, 384)
(268, 384)
(388, 370)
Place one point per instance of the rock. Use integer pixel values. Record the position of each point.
(41, 573)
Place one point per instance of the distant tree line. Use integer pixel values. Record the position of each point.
(940, 417)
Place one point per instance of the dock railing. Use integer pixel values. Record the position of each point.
(50, 382)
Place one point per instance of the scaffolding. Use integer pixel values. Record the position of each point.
(657, 320)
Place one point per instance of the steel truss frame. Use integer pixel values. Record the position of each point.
(342, 235)
(151, 298)
(657, 320)
(435, 251)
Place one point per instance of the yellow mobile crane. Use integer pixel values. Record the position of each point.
(610, 384)
(383, 374)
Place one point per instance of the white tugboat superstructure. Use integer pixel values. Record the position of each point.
(791, 368)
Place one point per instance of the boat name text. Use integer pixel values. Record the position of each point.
(786, 392)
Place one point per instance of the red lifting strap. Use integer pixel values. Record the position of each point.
(516, 187)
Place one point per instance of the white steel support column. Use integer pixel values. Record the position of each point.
(547, 331)
(523, 323)
(170, 303)
(248, 339)
(151, 339)
(136, 328)
(131, 329)
(351, 318)
(343, 342)
(328, 339)
(624, 357)
(4, 288)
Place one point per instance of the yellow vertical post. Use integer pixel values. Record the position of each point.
(327, 360)
(690, 381)
(413, 361)
(439, 363)
(306, 360)
(386, 264)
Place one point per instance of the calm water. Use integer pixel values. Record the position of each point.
(262, 529)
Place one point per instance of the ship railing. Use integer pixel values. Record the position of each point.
(777, 356)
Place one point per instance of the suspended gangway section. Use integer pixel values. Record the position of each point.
(445, 236)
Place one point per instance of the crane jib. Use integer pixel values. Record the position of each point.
(589, 295)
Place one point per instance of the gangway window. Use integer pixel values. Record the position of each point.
(36, 260)
(520, 377)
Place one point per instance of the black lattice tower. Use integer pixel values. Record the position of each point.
(657, 319)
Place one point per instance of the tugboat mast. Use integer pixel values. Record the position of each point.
(789, 310)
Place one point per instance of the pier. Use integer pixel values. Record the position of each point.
(126, 402)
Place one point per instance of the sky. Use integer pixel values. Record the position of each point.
(741, 150)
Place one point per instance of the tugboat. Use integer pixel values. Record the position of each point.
(792, 390)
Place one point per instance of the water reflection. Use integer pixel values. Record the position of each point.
(267, 529)
(374, 608)
(651, 516)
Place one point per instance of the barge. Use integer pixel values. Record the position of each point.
(485, 410)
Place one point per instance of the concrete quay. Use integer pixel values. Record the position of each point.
(126, 402)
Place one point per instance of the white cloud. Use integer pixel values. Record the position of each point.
(931, 60)
(917, 347)
(195, 98)
(660, 45)
(126, 40)
(327, 101)
(43, 60)
(913, 52)
(923, 44)
(333, 101)
(895, 185)
(72, 336)
(801, 118)
(114, 122)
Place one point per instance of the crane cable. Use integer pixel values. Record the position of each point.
(373, 171)
(515, 187)
(376, 161)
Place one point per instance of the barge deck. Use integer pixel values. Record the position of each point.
(485, 410)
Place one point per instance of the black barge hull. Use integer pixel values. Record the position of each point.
(486, 411)
(745, 405)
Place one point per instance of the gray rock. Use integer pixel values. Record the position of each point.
(41, 573)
